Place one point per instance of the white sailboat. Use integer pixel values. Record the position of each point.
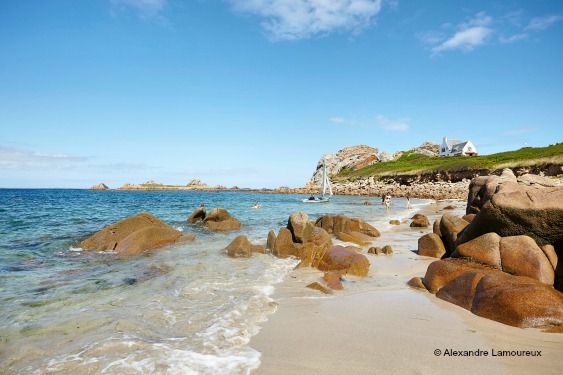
(325, 185)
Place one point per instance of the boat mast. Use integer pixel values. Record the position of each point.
(324, 177)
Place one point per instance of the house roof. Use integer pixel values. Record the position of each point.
(458, 146)
(453, 142)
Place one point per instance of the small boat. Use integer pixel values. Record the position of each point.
(325, 185)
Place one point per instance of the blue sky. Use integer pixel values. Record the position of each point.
(253, 92)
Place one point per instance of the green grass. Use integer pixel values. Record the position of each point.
(411, 163)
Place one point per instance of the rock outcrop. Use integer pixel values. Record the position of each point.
(361, 156)
(300, 239)
(100, 186)
(219, 219)
(420, 221)
(431, 245)
(346, 260)
(351, 158)
(313, 245)
(135, 235)
(198, 215)
(348, 229)
(504, 259)
(241, 247)
(514, 209)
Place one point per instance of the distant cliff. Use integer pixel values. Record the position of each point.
(351, 158)
(354, 158)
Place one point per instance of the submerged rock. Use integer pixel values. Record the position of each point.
(135, 235)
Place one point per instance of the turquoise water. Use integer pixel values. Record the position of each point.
(187, 308)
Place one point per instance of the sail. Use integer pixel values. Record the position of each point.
(326, 181)
(329, 186)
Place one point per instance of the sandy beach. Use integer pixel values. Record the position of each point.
(393, 328)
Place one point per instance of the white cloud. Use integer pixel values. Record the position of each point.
(522, 131)
(337, 120)
(12, 158)
(542, 23)
(394, 125)
(469, 35)
(300, 19)
(465, 40)
(513, 38)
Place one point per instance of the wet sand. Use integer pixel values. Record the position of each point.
(392, 329)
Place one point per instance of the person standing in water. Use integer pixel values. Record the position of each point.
(408, 202)
(387, 201)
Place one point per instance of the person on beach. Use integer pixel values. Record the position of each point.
(383, 199)
(408, 202)
(387, 201)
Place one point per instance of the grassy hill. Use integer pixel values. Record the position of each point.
(411, 163)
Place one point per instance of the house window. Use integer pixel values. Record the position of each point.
(468, 148)
(443, 149)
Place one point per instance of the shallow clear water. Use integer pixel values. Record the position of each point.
(187, 308)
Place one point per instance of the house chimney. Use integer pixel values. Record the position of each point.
(446, 140)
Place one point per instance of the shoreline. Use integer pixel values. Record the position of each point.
(391, 329)
(366, 187)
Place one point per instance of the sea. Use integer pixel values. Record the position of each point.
(182, 309)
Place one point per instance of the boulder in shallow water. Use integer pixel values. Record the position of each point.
(271, 241)
(284, 245)
(135, 235)
(219, 219)
(197, 216)
(241, 247)
(300, 226)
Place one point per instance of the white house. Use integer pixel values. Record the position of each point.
(453, 147)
